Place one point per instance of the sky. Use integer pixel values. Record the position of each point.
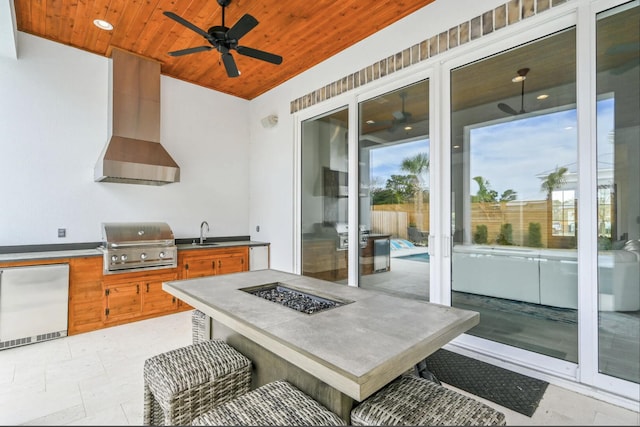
(386, 161)
(511, 154)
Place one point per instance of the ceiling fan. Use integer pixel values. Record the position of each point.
(522, 76)
(225, 39)
(399, 117)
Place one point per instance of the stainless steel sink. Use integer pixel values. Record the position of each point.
(207, 244)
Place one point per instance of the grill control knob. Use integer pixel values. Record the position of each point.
(143, 256)
(114, 258)
(123, 257)
(161, 255)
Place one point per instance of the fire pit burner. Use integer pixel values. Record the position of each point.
(294, 299)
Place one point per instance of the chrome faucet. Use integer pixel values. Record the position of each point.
(203, 236)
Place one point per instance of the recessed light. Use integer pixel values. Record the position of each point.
(102, 24)
(370, 122)
(408, 128)
(518, 79)
(542, 96)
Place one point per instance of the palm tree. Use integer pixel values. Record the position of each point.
(552, 182)
(417, 166)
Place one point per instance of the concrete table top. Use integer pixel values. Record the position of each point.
(356, 348)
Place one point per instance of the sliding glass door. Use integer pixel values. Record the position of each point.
(514, 152)
(393, 150)
(323, 196)
(618, 194)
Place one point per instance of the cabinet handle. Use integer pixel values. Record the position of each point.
(147, 287)
(219, 263)
(213, 265)
(137, 288)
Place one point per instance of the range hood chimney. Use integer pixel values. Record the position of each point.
(133, 153)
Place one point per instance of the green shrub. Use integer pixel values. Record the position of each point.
(480, 236)
(535, 235)
(506, 235)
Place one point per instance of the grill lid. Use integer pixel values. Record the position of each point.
(118, 234)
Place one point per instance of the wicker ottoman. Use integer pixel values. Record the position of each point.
(415, 401)
(274, 404)
(181, 384)
(198, 326)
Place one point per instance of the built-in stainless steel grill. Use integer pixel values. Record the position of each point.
(342, 229)
(136, 246)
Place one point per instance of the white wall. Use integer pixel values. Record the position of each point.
(53, 126)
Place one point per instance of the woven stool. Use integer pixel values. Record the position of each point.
(198, 326)
(181, 384)
(415, 401)
(274, 404)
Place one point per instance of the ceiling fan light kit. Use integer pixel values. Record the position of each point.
(225, 39)
(521, 77)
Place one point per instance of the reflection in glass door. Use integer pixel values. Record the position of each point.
(618, 167)
(393, 149)
(514, 152)
(324, 207)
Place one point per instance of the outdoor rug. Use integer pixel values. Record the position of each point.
(507, 388)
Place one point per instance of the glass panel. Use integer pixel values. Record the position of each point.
(514, 192)
(618, 149)
(324, 207)
(394, 192)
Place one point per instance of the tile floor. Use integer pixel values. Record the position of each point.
(96, 379)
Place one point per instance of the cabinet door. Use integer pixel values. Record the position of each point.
(123, 301)
(154, 298)
(200, 262)
(86, 295)
(231, 263)
(199, 266)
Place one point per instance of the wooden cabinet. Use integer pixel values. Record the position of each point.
(210, 262)
(122, 300)
(154, 298)
(322, 260)
(134, 296)
(97, 301)
(85, 294)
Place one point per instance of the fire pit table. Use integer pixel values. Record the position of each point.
(340, 354)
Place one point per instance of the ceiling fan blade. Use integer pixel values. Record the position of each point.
(186, 23)
(398, 115)
(623, 48)
(625, 67)
(230, 65)
(190, 50)
(507, 109)
(242, 27)
(259, 54)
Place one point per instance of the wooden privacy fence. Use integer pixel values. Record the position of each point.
(394, 220)
(390, 222)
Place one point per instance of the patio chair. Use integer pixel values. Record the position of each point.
(181, 384)
(417, 236)
(413, 401)
(277, 403)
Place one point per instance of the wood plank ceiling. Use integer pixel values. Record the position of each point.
(304, 33)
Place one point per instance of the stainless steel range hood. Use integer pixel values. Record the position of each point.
(133, 154)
